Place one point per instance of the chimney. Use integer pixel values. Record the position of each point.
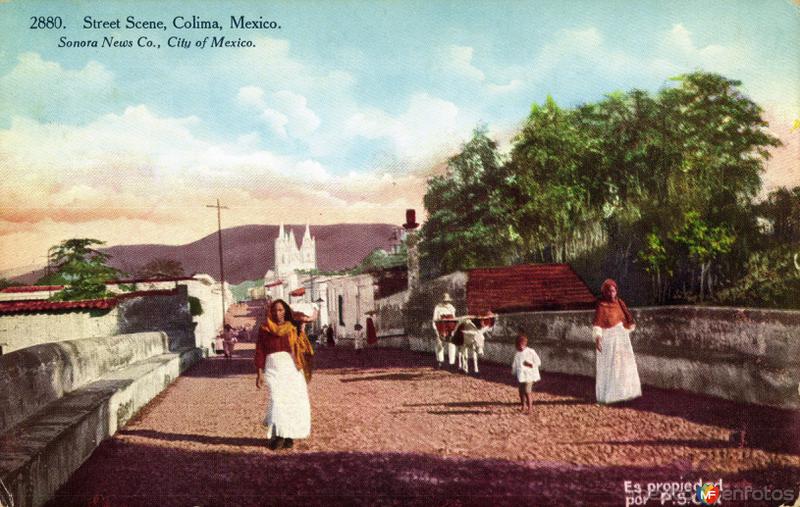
(411, 220)
(412, 246)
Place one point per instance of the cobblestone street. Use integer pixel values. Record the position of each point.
(388, 429)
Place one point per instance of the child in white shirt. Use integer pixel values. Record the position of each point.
(526, 367)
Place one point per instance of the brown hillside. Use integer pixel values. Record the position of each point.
(249, 250)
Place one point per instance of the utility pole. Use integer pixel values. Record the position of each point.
(221, 265)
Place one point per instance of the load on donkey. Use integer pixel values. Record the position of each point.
(467, 335)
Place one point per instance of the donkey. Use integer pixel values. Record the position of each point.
(469, 338)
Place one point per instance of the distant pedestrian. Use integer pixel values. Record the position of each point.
(228, 340)
(219, 342)
(330, 339)
(372, 335)
(242, 335)
(358, 338)
(617, 378)
(526, 367)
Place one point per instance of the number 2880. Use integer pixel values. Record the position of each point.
(42, 23)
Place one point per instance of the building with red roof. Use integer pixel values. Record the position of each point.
(527, 287)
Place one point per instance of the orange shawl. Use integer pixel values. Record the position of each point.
(301, 347)
(608, 314)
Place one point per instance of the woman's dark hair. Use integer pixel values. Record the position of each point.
(289, 317)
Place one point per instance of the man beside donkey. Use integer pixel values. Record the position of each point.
(444, 323)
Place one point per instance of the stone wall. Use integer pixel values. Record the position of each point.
(390, 320)
(207, 291)
(389, 316)
(20, 330)
(159, 312)
(59, 400)
(746, 355)
(33, 377)
(162, 311)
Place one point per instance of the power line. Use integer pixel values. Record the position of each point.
(221, 264)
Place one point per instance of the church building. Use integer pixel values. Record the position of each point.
(289, 258)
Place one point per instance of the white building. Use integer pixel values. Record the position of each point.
(349, 298)
(201, 286)
(316, 291)
(289, 258)
(207, 290)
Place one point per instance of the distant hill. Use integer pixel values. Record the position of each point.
(249, 250)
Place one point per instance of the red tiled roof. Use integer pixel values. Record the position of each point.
(39, 306)
(527, 287)
(32, 288)
(298, 292)
(275, 283)
(152, 280)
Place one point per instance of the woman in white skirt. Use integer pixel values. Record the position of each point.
(280, 359)
(617, 378)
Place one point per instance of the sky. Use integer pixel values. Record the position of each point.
(338, 114)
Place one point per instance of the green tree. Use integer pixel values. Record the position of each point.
(5, 283)
(782, 208)
(548, 186)
(647, 185)
(467, 225)
(81, 268)
(657, 263)
(704, 245)
(771, 278)
(723, 144)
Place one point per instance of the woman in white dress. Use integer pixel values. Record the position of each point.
(281, 360)
(617, 378)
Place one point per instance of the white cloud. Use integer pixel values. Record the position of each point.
(251, 96)
(512, 86)
(679, 47)
(458, 60)
(140, 177)
(273, 62)
(430, 126)
(579, 50)
(302, 120)
(277, 121)
(38, 88)
(286, 113)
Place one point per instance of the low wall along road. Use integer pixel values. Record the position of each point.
(739, 354)
(58, 401)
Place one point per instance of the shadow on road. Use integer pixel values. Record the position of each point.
(388, 376)
(674, 442)
(465, 404)
(133, 474)
(204, 439)
(765, 428)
